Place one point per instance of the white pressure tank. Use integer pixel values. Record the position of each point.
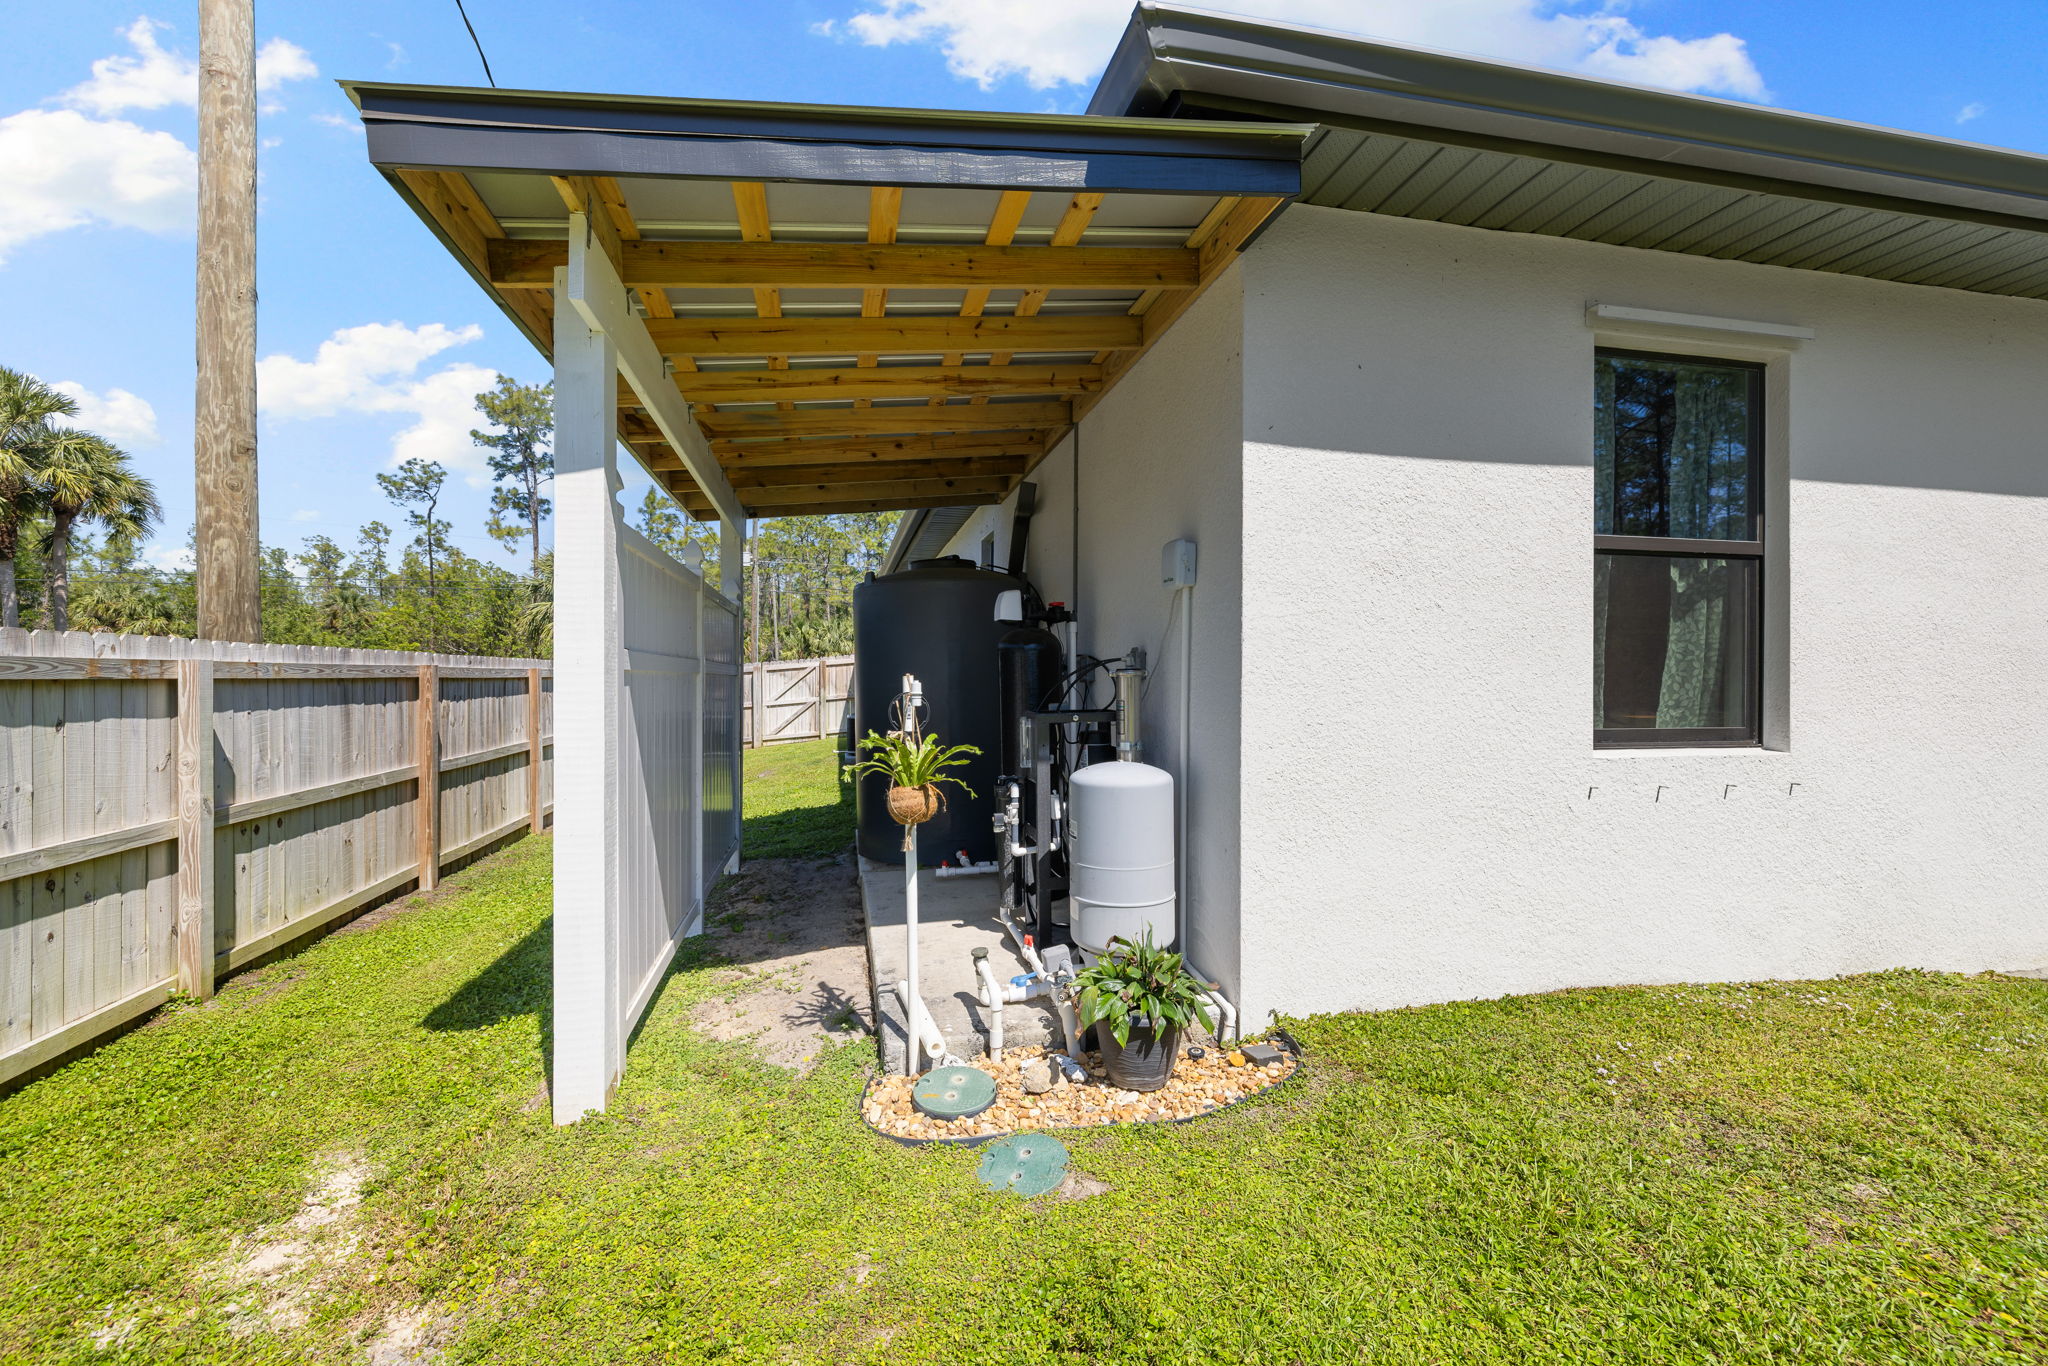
(1120, 854)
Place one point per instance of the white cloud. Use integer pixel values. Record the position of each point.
(341, 121)
(150, 77)
(1973, 110)
(121, 417)
(65, 169)
(166, 556)
(1065, 42)
(374, 369)
(305, 515)
(78, 164)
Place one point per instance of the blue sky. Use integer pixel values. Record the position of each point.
(373, 338)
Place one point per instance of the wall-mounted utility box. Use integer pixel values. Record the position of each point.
(1177, 564)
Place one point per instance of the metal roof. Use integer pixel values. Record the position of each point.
(844, 309)
(1421, 134)
(582, 134)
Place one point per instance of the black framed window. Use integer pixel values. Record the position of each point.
(1677, 550)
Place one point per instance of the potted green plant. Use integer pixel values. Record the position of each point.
(914, 769)
(1142, 997)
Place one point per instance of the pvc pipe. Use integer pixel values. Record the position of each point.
(910, 942)
(923, 1033)
(1184, 754)
(991, 997)
(1226, 1013)
(964, 869)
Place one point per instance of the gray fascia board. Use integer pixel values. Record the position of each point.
(475, 147)
(1169, 54)
(731, 140)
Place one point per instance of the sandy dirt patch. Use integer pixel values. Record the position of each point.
(791, 931)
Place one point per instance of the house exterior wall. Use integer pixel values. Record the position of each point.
(1424, 815)
(1159, 459)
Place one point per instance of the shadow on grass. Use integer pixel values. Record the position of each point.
(817, 828)
(519, 982)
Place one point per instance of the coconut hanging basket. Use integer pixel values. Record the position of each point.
(915, 805)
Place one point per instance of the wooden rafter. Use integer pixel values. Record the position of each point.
(1002, 231)
(842, 336)
(1217, 250)
(750, 202)
(455, 206)
(895, 381)
(1066, 235)
(885, 210)
(524, 264)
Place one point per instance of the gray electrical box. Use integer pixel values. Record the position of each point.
(1177, 564)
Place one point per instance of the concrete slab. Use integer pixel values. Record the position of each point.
(955, 917)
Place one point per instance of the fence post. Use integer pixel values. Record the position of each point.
(195, 827)
(427, 753)
(537, 816)
(818, 711)
(760, 736)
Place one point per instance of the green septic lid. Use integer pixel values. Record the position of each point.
(954, 1092)
(1029, 1164)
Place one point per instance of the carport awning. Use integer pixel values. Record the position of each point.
(865, 309)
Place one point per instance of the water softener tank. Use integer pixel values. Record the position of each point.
(1120, 852)
(936, 620)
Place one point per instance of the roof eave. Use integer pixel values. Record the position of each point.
(1172, 59)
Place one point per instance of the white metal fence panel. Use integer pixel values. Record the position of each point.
(661, 841)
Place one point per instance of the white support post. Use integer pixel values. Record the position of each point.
(731, 540)
(589, 679)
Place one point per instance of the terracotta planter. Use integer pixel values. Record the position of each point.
(914, 805)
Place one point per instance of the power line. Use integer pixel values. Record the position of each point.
(479, 44)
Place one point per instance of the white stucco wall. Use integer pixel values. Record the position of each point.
(1160, 459)
(1424, 815)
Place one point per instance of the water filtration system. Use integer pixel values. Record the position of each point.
(1082, 831)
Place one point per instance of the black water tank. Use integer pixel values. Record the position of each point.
(1028, 664)
(936, 620)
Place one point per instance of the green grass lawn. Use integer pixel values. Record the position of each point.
(1851, 1171)
(796, 804)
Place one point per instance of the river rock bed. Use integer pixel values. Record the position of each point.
(1199, 1086)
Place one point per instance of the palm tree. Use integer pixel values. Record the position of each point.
(27, 406)
(86, 479)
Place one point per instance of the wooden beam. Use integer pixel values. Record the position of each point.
(750, 201)
(885, 208)
(655, 301)
(459, 211)
(1002, 231)
(784, 494)
(895, 381)
(703, 513)
(781, 476)
(896, 418)
(226, 539)
(893, 336)
(1218, 250)
(1066, 235)
(740, 455)
(593, 289)
(524, 264)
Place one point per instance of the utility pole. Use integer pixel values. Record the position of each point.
(224, 427)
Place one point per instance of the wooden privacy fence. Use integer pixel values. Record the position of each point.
(802, 699)
(172, 809)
